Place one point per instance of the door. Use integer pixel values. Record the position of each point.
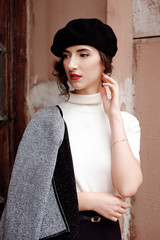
(12, 86)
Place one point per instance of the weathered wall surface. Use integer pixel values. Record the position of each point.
(146, 209)
(146, 72)
(119, 16)
(146, 18)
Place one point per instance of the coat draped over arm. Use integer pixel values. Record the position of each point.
(33, 210)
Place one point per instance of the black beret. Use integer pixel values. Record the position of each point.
(90, 32)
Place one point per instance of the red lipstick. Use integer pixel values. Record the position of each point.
(75, 76)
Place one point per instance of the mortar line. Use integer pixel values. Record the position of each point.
(146, 37)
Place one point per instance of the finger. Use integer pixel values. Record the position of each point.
(106, 78)
(112, 88)
(104, 94)
(114, 219)
(117, 214)
(125, 205)
(122, 210)
(110, 85)
(123, 199)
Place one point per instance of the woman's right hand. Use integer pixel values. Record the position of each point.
(106, 204)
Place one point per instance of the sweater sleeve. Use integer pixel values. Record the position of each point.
(132, 128)
(30, 189)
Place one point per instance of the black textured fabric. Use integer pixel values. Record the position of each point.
(103, 230)
(66, 189)
(90, 32)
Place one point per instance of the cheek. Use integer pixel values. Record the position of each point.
(92, 66)
(97, 69)
(65, 68)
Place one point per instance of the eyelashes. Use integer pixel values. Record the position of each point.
(65, 55)
(83, 55)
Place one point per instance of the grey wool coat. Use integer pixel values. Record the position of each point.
(42, 200)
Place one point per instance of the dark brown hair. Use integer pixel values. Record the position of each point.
(59, 72)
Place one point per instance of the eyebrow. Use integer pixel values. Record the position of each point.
(79, 50)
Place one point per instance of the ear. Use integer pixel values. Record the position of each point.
(103, 68)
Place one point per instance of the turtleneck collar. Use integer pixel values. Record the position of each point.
(91, 99)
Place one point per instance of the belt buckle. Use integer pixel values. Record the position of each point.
(96, 219)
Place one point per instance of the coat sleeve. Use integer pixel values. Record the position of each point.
(31, 196)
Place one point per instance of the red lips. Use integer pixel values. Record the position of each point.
(75, 76)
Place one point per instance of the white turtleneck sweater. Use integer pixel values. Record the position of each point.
(90, 141)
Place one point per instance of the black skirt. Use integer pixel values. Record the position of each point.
(95, 227)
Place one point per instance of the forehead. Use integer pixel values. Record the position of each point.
(80, 48)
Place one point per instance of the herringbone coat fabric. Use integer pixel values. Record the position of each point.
(42, 200)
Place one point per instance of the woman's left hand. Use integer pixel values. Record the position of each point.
(111, 106)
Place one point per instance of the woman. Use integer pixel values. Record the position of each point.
(104, 141)
(84, 148)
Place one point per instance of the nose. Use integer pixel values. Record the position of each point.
(72, 64)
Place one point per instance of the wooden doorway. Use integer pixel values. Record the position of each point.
(12, 86)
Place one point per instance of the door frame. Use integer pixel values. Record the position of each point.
(13, 25)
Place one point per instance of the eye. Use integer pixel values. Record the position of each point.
(65, 55)
(84, 55)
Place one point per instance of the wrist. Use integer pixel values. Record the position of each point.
(86, 201)
(115, 117)
(93, 201)
(119, 141)
(117, 128)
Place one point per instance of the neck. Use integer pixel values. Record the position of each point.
(87, 99)
(88, 91)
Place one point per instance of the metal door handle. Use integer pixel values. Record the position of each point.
(3, 118)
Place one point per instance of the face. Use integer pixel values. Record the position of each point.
(83, 67)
